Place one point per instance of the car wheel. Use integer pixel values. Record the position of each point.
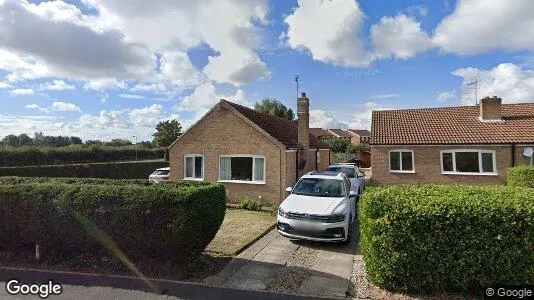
(349, 233)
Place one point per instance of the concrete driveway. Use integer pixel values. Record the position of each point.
(278, 264)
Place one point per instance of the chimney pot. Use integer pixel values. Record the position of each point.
(303, 94)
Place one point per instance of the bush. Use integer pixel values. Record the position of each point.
(447, 238)
(248, 204)
(521, 176)
(122, 182)
(33, 156)
(157, 222)
(124, 170)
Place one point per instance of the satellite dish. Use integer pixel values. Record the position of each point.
(528, 152)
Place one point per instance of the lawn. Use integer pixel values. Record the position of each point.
(239, 229)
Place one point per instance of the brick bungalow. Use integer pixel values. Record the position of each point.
(359, 136)
(255, 155)
(464, 145)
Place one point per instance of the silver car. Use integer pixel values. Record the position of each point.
(160, 175)
(356, 176)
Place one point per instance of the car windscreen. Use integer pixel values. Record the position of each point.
(161, 172)
(350, 172)
(319, 187)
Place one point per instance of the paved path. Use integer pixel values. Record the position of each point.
(278, 264)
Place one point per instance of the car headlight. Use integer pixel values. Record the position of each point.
(338, 215)
(281, 212)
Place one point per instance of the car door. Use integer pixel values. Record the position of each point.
(352, 200)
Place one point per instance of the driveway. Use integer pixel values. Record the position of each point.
(278, 264)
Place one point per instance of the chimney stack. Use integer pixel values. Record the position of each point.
(303, 113)
(490, 109)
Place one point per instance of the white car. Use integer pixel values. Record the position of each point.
(160, 175)
(357, 177)
(321, 207)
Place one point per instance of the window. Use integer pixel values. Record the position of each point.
(194, 167)
(468, 162)
(401, 161)
(242, 169)
(319, 187)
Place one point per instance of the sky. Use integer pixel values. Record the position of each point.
(103, 69)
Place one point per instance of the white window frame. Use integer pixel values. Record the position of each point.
(400, 161)
(253, 169)
(203, 167)
(480, 152)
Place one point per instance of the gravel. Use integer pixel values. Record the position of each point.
(297, 269)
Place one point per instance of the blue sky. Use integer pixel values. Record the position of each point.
(103, 69)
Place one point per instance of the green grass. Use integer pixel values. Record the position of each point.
(239, 229)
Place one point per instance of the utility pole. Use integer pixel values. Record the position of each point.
(475, 83)
(136, 155)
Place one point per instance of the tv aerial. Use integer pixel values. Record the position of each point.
(529, 152)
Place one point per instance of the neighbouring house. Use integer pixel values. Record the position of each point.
(464, 145)
(341, 134)
(321, 134)
(359, 136)
(254, 155)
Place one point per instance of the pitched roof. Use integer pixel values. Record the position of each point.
(284, 130)
(341, 133)
(452, 125)
(361, 132)
(319, 132)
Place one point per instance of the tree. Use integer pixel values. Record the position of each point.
(118, 143)
(360, 148)
(25, 140)
(74, 140)
(94, 142)
(11, 140)
(337, 145)
(274, 107)
(166, 133)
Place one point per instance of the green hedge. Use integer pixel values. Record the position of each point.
(447, 238)
(34, 156)
(156, 222)
(122, 182)
(521, 176)
(120, 170)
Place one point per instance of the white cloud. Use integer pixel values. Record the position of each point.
(362, 119)
(57, 85)
(104, 99)
(63, 44)
(147, 116)
(446, 96)
(205, 96)
(400, 36)
(65, 106)
(330, 31)
(22, 92)
(105, 84)
(322, 119)
(5, 85)
(131, 96)
(508, 81)
(478, 26)
(37, 107)
(385, 96)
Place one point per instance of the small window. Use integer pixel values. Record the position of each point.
(468, 162)
(401, 161)
(194, 167)
(244, 169)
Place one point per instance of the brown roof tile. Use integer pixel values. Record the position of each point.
(319, 132)
(452, 125)
(283, 130)
(361, 132)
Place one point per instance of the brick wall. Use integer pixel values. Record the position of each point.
(519, 158)
(324, 160)
(428, 168)
(222, 133)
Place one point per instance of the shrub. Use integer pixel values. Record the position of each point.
(248, 204)
(447, 238)
(521, 176)
(124, 170)
(32, 156)
(149, 222)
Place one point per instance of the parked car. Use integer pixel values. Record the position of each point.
(356, 176)
(321, 207)
(160, 175)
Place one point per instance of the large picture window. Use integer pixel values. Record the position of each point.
(194, 167)
(401, 161)
(468, 162)
(242, 168)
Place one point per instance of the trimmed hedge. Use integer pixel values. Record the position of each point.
(122, 182)
(120, 170)
(34, 156)
(157, 222)
(521, 176)
(447, 238)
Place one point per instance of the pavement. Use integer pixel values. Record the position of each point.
(278, 264)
